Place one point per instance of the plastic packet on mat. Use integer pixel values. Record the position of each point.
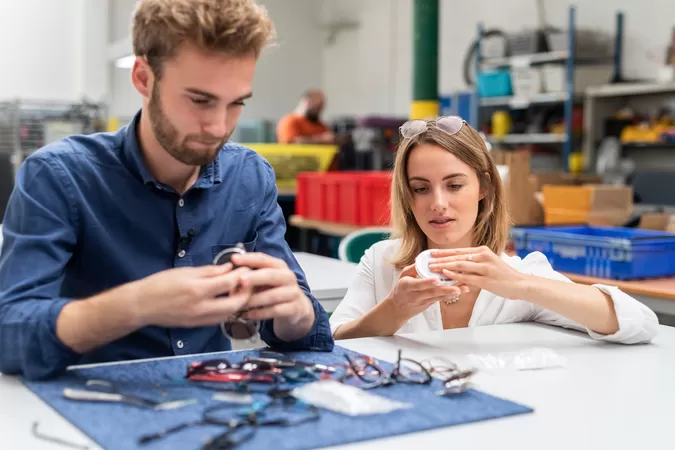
(345, 399)
(528, 359)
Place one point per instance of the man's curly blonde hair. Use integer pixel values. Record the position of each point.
(233, 27)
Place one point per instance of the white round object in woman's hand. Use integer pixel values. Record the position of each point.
(423, 270)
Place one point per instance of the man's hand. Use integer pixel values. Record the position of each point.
(181, 297)
(191, 296)
(276, 295)
(326, 137)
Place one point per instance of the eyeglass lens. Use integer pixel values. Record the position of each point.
(449, 124)
(240, 329)
(412, 128)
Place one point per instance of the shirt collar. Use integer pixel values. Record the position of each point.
(133, 160)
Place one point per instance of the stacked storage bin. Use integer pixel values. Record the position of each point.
(351, 198)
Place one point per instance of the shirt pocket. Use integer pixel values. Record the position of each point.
(248, 245)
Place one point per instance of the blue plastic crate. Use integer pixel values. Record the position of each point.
(495, 83)
(617, 253)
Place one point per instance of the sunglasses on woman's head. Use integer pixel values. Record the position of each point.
(448, 124)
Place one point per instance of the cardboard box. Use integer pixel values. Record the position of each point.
(564, 179)
(522, 187)
(514, 168)
(658, 222)
(600, 205)
(541, 179)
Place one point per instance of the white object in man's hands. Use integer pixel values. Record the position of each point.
(423, 270)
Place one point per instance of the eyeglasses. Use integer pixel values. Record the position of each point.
(236, 327)
(285, 413)
(448, 124)
(241, 423)
(457, 383)
(364, 372)
(455, 380)
(221, 370)
(222, 376)
(291, 369)
(267, 372)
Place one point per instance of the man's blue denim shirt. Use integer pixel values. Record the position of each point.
(86, 216)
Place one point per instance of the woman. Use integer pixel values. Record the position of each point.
(447, 195)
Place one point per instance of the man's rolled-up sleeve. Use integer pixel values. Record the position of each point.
(40, 234)
(271, 231)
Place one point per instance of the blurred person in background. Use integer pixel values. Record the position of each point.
(304, 125)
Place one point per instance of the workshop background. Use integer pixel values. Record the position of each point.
(576, 99)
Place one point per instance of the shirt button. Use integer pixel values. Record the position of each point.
(181, 202)
(179, 344)
(181, 253)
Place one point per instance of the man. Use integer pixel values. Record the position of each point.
(304, 125)
(109, 238)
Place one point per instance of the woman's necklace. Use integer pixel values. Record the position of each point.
(451, 300)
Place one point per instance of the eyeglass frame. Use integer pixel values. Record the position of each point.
(253, 421)
(279, 360)
(223, 257)
(224, 379)
(387, 379)
(245, 417)
(438, 122)
(455, 380)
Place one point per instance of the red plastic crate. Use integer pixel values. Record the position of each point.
(310, 195)
(375, 194)
(349, 191)
(355, 198)
(331, 186)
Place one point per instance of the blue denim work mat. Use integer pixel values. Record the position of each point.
(116, 426)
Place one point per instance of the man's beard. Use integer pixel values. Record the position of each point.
(313, 116)
(168, 137)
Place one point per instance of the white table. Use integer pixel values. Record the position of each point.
(598, 401)
(328, 278)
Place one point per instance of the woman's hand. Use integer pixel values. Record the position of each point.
(412, 296)
(481, 268)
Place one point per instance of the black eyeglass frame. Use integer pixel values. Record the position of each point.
(384, 378)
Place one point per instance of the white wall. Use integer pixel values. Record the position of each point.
(119, 14)
(291, 67)
(283, 73)
(369, 70)
(93, 45)
(45, 54)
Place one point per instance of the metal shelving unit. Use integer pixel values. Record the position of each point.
(28, 125)
(568, 98)
(529, 138)
(602, 101)
(518, 103)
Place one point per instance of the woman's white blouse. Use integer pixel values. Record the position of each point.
(376, 277)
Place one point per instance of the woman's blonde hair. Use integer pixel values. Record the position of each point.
(492, 223)
(233, 27)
